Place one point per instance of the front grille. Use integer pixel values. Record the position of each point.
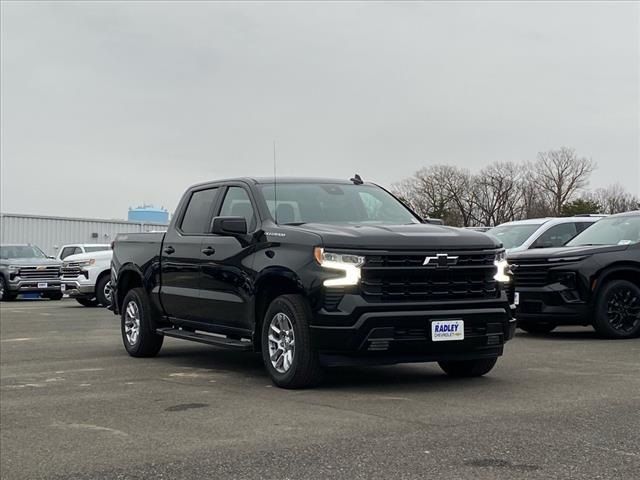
(534, 272)
(71, 271)
(40, 272)
(404, 277)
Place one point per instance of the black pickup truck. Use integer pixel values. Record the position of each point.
(314, 273)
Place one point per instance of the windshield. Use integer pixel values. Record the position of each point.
(512, 236)
(21, 251)
(610, 231)
(335, 203)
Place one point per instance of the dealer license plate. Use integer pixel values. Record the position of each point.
(447, 330)
(43, 284)
(63, 287)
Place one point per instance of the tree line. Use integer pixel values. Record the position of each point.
(553, 185)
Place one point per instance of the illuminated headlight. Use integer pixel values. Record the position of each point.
(345, 262)
(502, 268)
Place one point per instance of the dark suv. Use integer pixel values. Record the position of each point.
(593, 280)
(313, 273)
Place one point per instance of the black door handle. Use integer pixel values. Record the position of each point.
(169, 250)
(208, 251)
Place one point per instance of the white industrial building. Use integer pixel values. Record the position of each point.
(50, 233)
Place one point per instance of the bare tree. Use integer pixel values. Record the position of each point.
(615, 199)
(560, 174)
(497, 194)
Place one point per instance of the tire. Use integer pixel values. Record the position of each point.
(617, 313)
(536, 328)
(54, 296)
(5, 296)
(146, 342)
(304, 368)
(103, 290)
(87, 302)
(468, 368)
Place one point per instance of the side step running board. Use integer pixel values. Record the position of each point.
(204, 338)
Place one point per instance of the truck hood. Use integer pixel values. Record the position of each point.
(29, 261)
(101, 255)
(399, 237)
(563, 252)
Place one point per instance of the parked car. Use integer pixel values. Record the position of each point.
(594, 280)
(25, 268)
(76, 249)
(87, 278)
(479, 229)
(540, 232)
(313, 273)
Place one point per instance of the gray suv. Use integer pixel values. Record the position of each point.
(26, 269)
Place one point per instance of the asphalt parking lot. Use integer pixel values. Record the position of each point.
(75, 405)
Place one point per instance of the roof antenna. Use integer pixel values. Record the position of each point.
(356, 179)
(275, 185)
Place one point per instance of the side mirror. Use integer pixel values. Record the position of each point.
(229, 226)
(434, 221)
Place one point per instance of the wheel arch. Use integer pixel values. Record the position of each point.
(271, 284)
(629, 271)
(129, 277)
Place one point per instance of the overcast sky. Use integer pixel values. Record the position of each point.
(109, 105)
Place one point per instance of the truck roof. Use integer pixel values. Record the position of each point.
(269, 180)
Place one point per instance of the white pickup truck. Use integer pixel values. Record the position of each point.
(87, 278)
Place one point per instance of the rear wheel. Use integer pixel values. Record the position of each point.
(103, 290)
(618, 310)
(287, 350)
(468, 368)
(536, 328)
(138, 335)
(87, 302)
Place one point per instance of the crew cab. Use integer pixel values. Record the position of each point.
(313, 273)
(24, 268)
(593, 280)
(87, 277)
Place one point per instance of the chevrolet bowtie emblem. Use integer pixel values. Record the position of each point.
(41, 268)
(441, 260)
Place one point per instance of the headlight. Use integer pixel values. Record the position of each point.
(13, 268)
(345, 262)
(502, 268)
(81, 263)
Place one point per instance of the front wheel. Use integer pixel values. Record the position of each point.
(468, 368)
(536, 328)
(103, 290)
(87, 302)
(287, 350)
(5, 296)
(138, 335)
(618, 310)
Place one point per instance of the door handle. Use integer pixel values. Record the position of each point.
(169, 250)
(208, 251)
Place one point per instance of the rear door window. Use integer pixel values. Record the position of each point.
(197, 217)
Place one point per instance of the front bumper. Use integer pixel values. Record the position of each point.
(383, 333)
(79, 286)
(552, 304)
(33, 285)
